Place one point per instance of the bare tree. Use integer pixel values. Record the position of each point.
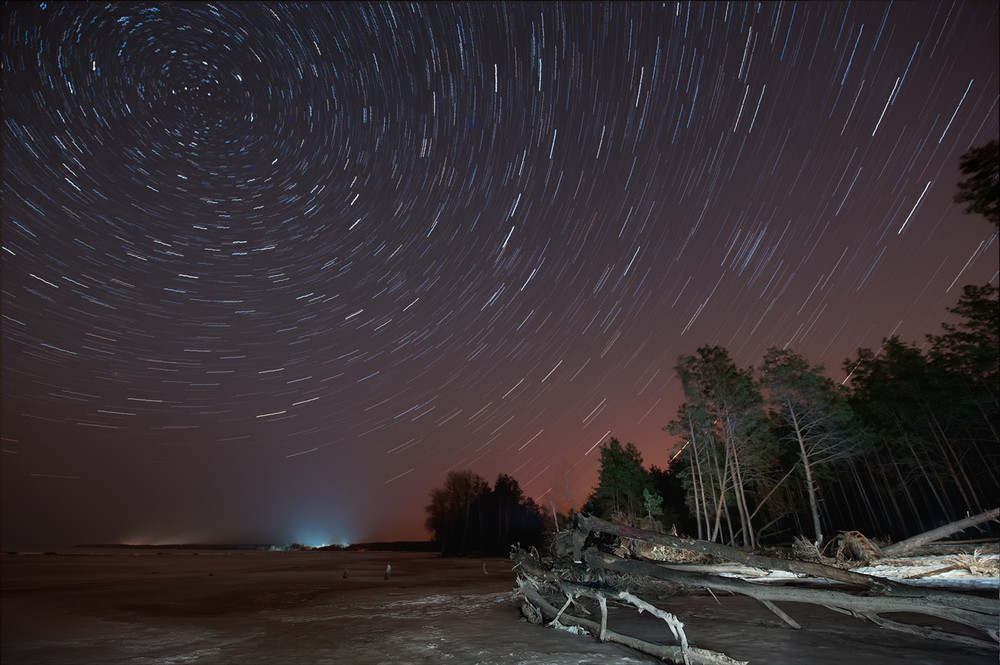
(815, 415)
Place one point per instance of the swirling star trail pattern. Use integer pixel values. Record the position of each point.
(270, 270)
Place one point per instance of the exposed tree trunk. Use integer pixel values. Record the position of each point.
(910, 544)
(918, 602)
(605, 577)
(594, 524)
(672, 654)
(534, 577)
(696, 490)
(698, 481)
(721, 500)
(749, 540)
(807, 467)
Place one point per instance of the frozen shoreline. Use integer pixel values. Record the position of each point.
(297, 607)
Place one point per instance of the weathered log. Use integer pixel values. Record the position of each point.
(983, 618)
(812, 568)
(673, 654)
(910, 544)
(534, 576)
(573, 590)
(581, 569)
(876, 585)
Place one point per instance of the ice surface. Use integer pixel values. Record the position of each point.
(296, 607)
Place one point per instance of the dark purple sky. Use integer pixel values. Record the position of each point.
(271, 270)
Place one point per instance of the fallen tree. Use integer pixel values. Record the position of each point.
(537, 582)
(910, 544)
(600, 562)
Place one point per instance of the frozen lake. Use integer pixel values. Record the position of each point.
(143, 606)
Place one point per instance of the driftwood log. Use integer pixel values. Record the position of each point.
(598, 562)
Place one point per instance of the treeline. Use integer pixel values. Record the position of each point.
(467, 516)
(908, 441)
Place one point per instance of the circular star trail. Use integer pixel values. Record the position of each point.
(271, 269)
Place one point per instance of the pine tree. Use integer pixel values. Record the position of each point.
(621, 480)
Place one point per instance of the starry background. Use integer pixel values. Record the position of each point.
(271, 270)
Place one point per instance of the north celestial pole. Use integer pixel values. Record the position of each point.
(270, 270)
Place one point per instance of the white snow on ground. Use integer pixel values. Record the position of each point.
(950, 571)
(946, 571)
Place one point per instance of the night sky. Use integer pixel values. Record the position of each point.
(271, 270)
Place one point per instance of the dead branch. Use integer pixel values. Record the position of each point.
(672, 654)
(910, 544)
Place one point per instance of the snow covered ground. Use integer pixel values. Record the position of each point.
(944, 571)
(144, 607)
(958, 572)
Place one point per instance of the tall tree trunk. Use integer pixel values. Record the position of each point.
(900, 518)
(910, 500)
(971, 503)
(930, 482)
(722, 499)
(729, 525)
(988, 466)
(975, 503)
(989, 421)
(741, 500)
(718, 487)
(810, 485)
(695, 489)
(734, 474)
(850, 501)
(697, 480)
(739, 495)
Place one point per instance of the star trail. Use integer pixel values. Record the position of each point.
(270, 270)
